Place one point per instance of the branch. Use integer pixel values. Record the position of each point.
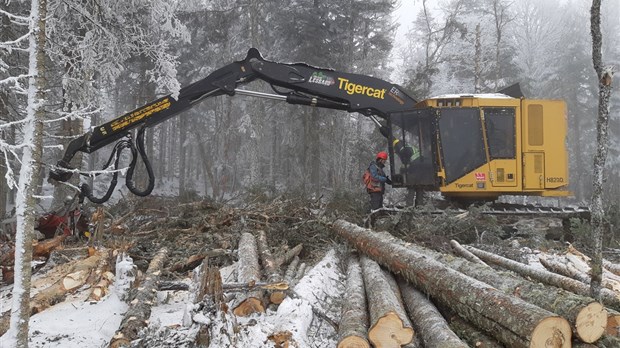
(26, 20)
(7, 44)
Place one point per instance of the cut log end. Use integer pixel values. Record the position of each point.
(613, 325)
(277, 297)
(249, 306)
(552, 332)
(591, 322)
(389, 331)
(353, 342)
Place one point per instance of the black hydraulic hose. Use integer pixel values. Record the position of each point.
(149, 170)
(87, 191)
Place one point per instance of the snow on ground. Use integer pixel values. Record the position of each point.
(320, 290)
(76, 323)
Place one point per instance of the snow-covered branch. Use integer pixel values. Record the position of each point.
(9, 44)
(13, 79)
(82, 114)
(20, 20)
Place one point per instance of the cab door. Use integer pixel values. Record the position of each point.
(413, 132)
(500, 126)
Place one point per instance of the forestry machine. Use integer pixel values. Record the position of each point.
(469, 146)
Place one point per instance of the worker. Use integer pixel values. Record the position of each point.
(406, 153)
(375, 180)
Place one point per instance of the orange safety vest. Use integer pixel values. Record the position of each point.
(372, 185)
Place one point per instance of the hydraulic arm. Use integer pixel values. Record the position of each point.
(296, 83)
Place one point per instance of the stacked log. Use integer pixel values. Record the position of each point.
(516, 323)
(248, 271)
(79, 274)
(470, 333)
(389, 325)
(587, 316)
(608, 297)
(307, 302)
(136, 317)
(353, 328)
(576, 265)
(433, 329)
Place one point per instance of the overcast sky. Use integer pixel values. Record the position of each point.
(404, 15)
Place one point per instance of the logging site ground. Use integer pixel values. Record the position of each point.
(286, 272)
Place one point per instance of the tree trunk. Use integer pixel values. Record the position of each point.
(29, 175)
(248, 271)
(605, 75)
(137, 316)
(354, 320)
(433, 329)
(608, 297)
(515, 322)
(388, 320)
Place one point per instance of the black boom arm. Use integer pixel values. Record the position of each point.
(301, 83)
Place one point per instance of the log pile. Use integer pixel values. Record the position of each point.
(437, 300)
(472, 299)
(76, 274)
(386, 293)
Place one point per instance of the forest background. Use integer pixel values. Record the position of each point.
(104, 58)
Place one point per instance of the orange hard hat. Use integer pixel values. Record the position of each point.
(382, 155)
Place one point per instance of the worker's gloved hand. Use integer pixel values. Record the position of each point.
(388, 180)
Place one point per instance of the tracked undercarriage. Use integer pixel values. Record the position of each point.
(494, 209)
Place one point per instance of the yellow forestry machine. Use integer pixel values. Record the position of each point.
(466, 146)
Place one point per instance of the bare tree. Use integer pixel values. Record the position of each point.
(501, 17)
(605, 75)
(29, 175)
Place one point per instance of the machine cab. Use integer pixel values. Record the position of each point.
(481, 146)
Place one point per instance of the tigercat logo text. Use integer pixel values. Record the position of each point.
(140, 114)
(465, 186)
(354, 88)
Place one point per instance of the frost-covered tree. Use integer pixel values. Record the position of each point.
(31, 155)
(537, 32)
(434, 30)
(605, 74)
(95, 43)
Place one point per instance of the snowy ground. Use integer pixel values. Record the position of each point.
(77, 323)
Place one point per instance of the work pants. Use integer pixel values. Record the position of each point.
(376, 200)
